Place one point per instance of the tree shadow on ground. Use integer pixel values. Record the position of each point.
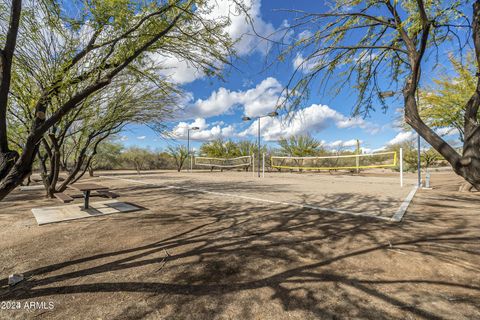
(326, 265)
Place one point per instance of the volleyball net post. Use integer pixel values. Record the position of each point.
(253, 165)
(263, 165)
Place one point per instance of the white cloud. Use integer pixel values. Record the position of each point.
(256, 101)
(411, 135)
(248, 37)
(305, 34)
(205, 132)
(310, 120)
(378, 150)
(340, 144)
(141, 137)
(303, 64)
(402, 137)
(240, 29)
(175, 69)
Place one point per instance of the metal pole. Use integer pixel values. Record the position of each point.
(188, 148)
(401, 167)
(253, 165)
(258, 167)
(357, 160)
(263, 165)
(419, 165)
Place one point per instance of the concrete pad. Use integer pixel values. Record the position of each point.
(32, 188)
(75, 211)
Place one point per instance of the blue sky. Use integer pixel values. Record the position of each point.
(252, 89)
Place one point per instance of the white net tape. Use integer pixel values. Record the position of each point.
(345, 162)
(224, 162)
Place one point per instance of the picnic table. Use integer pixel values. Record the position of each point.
(86, 188)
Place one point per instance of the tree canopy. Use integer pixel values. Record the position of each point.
(300, 146)
(68, 55)
(380, 48)
(442, 105)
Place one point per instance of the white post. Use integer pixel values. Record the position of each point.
(191, 163)
(357, 160)
(253, 165)
(263, 165)
(401, 167)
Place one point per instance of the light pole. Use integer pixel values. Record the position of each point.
(270, 114)
(388, 94)
(419, 165)
(188, 145)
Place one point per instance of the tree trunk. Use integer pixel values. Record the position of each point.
(50, 176)
(7, 160)
(469, 167)
(54, 170)
(137, 168)
(7, 156)
(466, 187)
(73, 173)
(21, 169)
(90, 171)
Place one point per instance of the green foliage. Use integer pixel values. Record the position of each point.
(136, 157)
(443, 106)
(300, 146)
(108, 156)
(246, 148)
(362, 45)
(220, 148)
(179, 154)
(429, 157)
(113, 156)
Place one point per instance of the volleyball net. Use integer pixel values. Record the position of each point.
(338, 162)
(237, 162)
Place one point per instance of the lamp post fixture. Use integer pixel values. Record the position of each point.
(270, 114)
(188, 145)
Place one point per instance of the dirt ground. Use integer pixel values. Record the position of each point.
(374, 193)
(191, 255)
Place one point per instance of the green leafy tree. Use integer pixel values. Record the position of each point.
(300, 146)
(107, 157)
(179, 154)
(379, 48)
(220, 148)
(443, 106)
(87, 52)
(136, 157)
(428, 156)
(246, 148)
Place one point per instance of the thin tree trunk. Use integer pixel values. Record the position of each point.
(88, 166)
(54, 167)
(43, 168)
(7, 156)
(21, 169)
(7, 160)
(73, 173)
